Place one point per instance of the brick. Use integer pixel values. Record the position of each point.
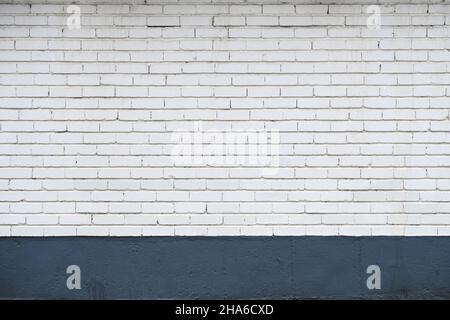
(89, 114)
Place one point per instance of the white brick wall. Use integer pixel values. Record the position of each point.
(87, 116)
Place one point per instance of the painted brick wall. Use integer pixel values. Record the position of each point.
(88, 117)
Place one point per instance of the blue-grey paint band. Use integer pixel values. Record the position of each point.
(225, 267)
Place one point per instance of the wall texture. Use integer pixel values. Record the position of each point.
(88, 116)
(225, 267)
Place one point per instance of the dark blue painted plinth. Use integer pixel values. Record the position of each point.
(225, 267)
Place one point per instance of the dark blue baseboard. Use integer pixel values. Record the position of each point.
(225, 267)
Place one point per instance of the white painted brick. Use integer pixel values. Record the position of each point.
(113, 9)
(223, 231)
(12, 219)
(27, 231)
(88, 117)
(5, 231)
(278, 9)
(125, 231)
(355, 230)
(108, 219)
(191, 231)
(30, 20)
(74, 219)
(56, 231)
(173, 219)
(321, 230)
(42, 219)
(158, 231)
(421, 230)
(92, 231)
(257, 230)
(15, 8)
